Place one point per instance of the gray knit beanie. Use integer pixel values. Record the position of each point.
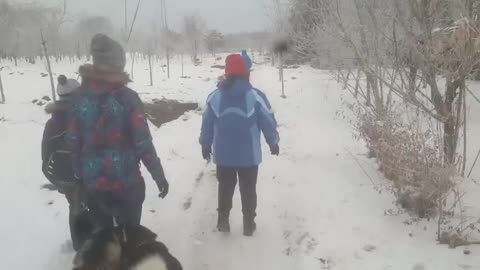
(107, 52)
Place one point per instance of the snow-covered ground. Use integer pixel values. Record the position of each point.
(317, 207)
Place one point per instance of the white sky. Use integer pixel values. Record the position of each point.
(228, 16)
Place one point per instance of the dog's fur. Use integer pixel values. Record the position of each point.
(125, 248)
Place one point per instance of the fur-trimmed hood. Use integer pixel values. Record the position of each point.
(103, 74)
(61, 106)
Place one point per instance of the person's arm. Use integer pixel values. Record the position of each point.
(208, 121)
(47, 134)
(142, 141)
(266, 119)
(73, 142)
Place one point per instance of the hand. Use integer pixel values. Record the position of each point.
(207, 153)
(275, 149)
(163, 188)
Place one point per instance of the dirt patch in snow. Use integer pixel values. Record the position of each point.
(163, 111)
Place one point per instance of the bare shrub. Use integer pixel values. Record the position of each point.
(409, 156)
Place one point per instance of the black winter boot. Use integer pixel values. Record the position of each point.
(223, 224)
(249, 225)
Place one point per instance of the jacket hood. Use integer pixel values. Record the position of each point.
(61, 106)
(105, 74)
(68, 88)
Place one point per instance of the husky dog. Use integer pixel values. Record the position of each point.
(125, 248)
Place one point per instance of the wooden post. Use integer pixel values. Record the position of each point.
(1, 89)
(45, 51)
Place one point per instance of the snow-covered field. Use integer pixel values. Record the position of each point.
(317, 208)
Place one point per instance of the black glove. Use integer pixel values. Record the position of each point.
(163, 188)
(207, 153)
(275, 149)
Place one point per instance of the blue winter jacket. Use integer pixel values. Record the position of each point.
(233, 119)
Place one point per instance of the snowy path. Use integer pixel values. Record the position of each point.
(317, 209)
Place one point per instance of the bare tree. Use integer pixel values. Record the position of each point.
(213, 41)
(166, 35)
(49, 67)
(194, 27)
(2, 94)
(393, 57)
(400, 47)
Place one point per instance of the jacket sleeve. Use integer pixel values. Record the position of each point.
(266, 119)
(73, 142)
(47, 134)
(208, 122)
(142, 139)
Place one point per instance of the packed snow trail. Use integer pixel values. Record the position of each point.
(317, 207)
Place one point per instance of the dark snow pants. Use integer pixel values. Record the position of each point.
(227, 181)
(126, 208)
(77, 204)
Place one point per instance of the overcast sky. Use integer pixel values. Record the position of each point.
(228, 16)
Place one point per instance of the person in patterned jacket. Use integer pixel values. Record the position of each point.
(108, 135)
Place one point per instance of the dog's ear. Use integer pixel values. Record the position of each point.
(173, 263)
(137, 234)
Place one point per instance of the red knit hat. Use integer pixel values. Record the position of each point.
(235, 66)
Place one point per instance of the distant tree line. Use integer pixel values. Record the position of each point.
(66, 35)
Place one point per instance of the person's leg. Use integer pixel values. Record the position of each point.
(70, 195)
(128, 213)
(227, 180)
(128, 209)
(101, 211)
(248, 190)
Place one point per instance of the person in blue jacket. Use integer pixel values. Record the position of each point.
(235, 116)
(248, 61)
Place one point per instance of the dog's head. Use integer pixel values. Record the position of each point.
(103, 251)
(153, 255)
(124, 247)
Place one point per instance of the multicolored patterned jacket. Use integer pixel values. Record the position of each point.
(109, 135)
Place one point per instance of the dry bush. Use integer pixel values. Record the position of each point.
(411, 157)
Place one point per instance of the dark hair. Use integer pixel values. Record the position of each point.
(62, 79)
(227, 82)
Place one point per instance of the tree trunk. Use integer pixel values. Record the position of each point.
(464, 95)
(182, 67)
(150, 67)
(1, 91)
(369, 86)
(281, 76)
(133, 62)
(45, 51)
(357, 83)
(412, 78)
(168, 63)
(450, 128)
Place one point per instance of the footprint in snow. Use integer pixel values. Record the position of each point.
(187, 204)
(419, 266)
(369, 248)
